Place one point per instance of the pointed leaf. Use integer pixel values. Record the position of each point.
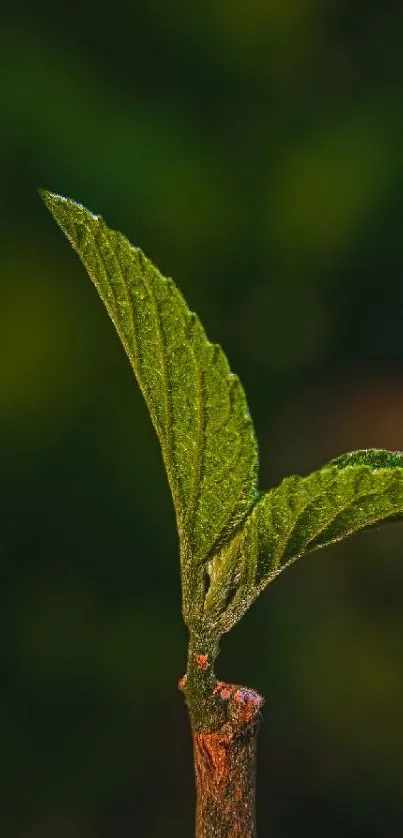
(197, 406)
(355, 492)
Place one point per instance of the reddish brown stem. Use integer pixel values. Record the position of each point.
(225, 765)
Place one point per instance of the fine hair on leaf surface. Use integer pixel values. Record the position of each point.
(234, 540)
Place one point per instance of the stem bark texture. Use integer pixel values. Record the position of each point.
(225, 766)
(224, 720)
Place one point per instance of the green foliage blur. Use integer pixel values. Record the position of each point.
(254, 151)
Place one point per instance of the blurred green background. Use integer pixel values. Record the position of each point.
(254, 151)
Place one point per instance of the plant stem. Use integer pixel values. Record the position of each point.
(224, 719)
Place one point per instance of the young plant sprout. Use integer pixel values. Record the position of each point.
(233, 538)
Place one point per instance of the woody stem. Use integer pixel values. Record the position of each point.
(224, 719)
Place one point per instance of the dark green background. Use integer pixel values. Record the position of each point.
(254, 150)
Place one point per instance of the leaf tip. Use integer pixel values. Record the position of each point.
(56, 204)
(49, 198)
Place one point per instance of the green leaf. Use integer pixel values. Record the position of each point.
(354, 492)
(377, 458)
(233, 541)
(197, 406)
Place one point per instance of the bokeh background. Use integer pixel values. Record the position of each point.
(254, 150)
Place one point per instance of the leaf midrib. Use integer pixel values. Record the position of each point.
(200, 437)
